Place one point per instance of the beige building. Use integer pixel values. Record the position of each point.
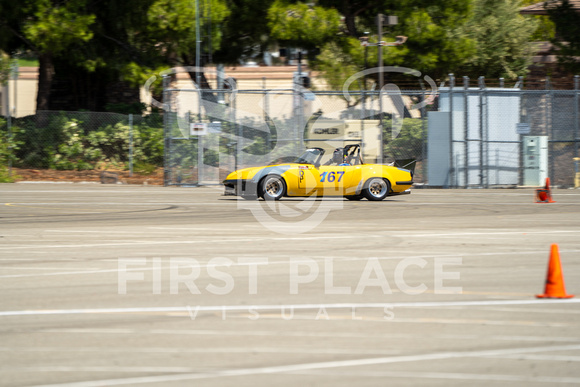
(20, 93)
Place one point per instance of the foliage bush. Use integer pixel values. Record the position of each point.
(83, 141)
(7, 148)
(408, 144)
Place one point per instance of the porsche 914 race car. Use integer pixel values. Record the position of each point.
(344, 174)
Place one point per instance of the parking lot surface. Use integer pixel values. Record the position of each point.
(106, 285)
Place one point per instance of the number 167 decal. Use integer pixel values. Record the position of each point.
(331, 176)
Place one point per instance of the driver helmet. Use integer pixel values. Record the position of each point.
(338, 156)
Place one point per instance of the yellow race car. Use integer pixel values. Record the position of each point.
(343, 174)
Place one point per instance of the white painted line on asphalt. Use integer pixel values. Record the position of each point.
(206, 332)
(445, 375)
(60, 273)
(525, 310)
(219, 226)
(151, 268)
(539, 357)
(204, 350)
(402, 320)
(209, 228)
(97, 191)
(106, 232)
(478, 205)
(229, 308)
(315, 334)
(282, 262)
(255, 239)
(217, 239)
(95, 206)
(456, 234)
(141, 370)
(58, 260)
(314, 366)
(89, 269)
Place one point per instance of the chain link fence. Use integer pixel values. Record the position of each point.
(258, 127)
(462, 136)
(504, 137)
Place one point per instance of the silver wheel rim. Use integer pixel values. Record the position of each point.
(378, 188)
(273, 187)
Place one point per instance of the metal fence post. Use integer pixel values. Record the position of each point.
(424, 149)
(130, 145)
(576, 124)
(451, 159)
(481, 116)
(497, 166)
(240, 133)
(199, 146)
(236, 145)
(166, 132)
(362, 117)
(267, 115)
(523, 118)
(8, 126)
(486, 134)
(465, 130)
(550, 127)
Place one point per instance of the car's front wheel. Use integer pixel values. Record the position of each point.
(273, 187)
(376, 189)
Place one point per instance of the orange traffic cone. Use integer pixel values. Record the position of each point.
(544, 195)
(555, 280)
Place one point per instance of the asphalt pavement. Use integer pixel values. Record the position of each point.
(106, 285)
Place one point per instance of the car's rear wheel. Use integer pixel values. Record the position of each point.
(354, 197)
(376, 189)
(273, 187)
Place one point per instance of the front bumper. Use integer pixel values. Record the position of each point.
(239, 187)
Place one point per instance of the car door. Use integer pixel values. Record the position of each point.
(330, 180)
(308, 179)
(340, 180)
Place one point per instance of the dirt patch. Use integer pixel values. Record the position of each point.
(156, 178)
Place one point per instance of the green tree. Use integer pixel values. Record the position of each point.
(4, 68)
(172, 23)
(96, 43)
(48, 28)
(567, 39)
(503, 39)
(437, 42)
(303, 25)
(546, 29)
(245, 31)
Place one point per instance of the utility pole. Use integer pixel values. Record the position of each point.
(197, 45)
(383, 20)
(198, 84)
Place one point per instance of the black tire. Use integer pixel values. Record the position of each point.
(272, 187)
(354, 197)
(376, 189)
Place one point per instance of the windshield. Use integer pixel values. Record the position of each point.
(310, 156)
